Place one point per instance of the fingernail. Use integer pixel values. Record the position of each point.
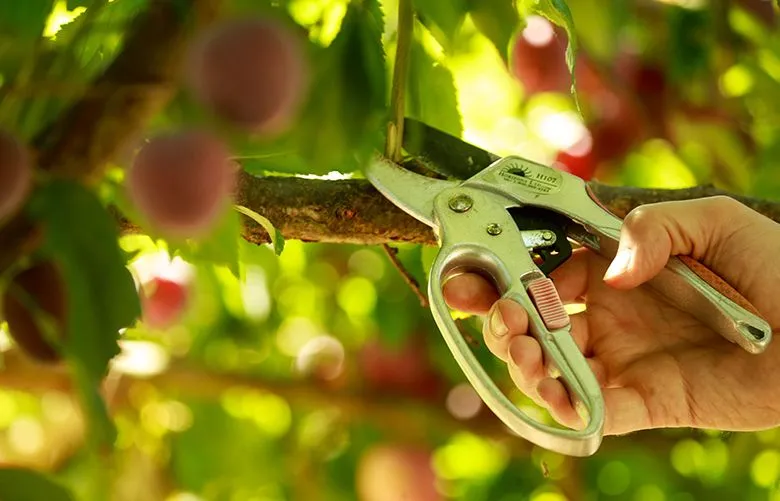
(496, 323)
(619, 265)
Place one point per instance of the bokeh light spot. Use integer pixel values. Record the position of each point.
(614, 478)
(765, 468)
(463, 402)
(357, 296)
(736, 81)
(649, 492)
(322, 356)
(26, 436)
(538, 31)
(367, 263)
(140, 358)
(468, 456)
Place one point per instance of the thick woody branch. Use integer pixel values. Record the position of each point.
(352, 211)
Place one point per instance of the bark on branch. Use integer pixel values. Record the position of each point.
(352, 211)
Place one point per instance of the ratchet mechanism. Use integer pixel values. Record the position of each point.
(514, 222)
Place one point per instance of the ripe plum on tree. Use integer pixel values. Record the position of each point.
(252, 72)
(181, 182)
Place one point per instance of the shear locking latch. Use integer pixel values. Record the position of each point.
(548, 303)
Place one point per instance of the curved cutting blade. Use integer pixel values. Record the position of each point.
(411, 192)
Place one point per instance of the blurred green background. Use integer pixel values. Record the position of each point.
(315, 374)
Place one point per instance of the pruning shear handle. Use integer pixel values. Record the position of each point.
(684, 281)
(478, 235)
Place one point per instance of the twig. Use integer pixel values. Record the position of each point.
(395, 129)
(408, 278)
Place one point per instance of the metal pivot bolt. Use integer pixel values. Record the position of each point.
(461, 203)
(548, 235)
(494, 229)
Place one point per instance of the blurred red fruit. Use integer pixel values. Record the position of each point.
(578, 160)
(45, 287)
(15, 174)
(251, 72)
(617, 129)
(181, 182)
(396, 473)
(538, 58)
(405, 370)
(645, 82)
(163, 302)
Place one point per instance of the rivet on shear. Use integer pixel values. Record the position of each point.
(494, 229)
(548, 235)
(461, 203)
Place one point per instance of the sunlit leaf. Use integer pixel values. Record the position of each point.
(432, 97)
(349, 89)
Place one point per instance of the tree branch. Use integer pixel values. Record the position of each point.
(353, 212)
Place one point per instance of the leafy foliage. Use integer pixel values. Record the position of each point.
(294, 362)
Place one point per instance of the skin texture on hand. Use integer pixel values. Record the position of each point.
(658, 366)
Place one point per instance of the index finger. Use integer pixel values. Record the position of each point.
(471, 293)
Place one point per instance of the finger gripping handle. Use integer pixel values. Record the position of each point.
(558, 346)
(692, 285)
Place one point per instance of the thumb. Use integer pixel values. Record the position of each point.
(654, 232)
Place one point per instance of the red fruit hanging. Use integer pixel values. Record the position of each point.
(181, 182)
(251, 72)
(579, 159)
(538, 57)
(163, 302)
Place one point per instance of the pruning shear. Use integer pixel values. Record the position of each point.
(513, 221)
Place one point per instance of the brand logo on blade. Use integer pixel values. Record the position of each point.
(533, 177)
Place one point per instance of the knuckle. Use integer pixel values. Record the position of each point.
(639, 217)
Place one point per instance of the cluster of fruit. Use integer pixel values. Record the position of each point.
(179, 181)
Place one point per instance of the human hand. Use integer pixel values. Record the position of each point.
(658, 366)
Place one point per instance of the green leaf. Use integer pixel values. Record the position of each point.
(498, 20)
(431, 93)
(343, 122)
(24, 21)
(443, 19)
(557, 11)
(277, 240)
(220, 246)
(82, 236)
(19, 484)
